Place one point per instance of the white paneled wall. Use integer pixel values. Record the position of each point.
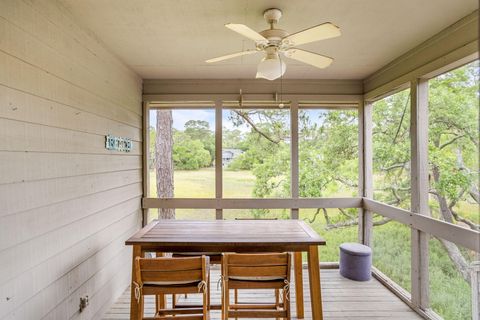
(66, 203)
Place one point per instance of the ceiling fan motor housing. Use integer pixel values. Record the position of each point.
(274, 37)
(272, 15)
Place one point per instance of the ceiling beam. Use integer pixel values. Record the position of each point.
(253, 86)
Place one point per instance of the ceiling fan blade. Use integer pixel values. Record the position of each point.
(314, 59)
(232, 55)
(321, 32)
(246, 32)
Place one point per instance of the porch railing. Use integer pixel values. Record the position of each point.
(459, 235)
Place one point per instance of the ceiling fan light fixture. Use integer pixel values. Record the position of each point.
(271, 68)
(275, 41)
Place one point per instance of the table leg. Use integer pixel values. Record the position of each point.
(160, 299)
(159, 302)
(134, 306)
(314, 276)
(298, 270)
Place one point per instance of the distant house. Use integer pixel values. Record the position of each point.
(228, 155)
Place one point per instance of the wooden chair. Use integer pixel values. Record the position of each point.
(277, 292)
(161, 276)
(214, 258)
(253, 272)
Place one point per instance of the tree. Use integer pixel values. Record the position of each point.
(164, 161)
(266, 150)
(328, 154)
(200, 130)
(232, 139)
(454, 150)
(189, 154)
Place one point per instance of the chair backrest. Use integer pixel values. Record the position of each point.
(189, 269)
(268, 265)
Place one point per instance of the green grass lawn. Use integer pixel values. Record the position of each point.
(201, 183)
(450, 294)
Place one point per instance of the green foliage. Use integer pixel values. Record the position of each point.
(200, 130)
(453, 159)
(328, 152)
(266, 150)
(272, 174)
(450, 295)
(453, 128)
(391, 149)
(233, 139)
(189, 154)
(193, 148)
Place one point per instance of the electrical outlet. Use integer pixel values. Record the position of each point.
(83, 303)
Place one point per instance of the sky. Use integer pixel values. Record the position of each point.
(181, 116)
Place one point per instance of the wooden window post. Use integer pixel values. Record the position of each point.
(146, 158)
(218, 157)
(365, 177)
(419, 190)
(294, 180)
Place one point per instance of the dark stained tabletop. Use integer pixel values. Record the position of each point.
(226, 235)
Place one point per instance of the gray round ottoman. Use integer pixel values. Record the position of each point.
(355, 261)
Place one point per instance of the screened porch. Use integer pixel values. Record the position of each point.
(119, 118)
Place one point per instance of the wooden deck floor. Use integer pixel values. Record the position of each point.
(342, 299)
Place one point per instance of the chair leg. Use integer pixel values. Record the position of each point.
(226, 302)
(205, 305)
(159, 302)
(140, 308)
(286, 302)
(277, 300)
(235, 297)
(222, 302)
(174, 301)
(208, 294)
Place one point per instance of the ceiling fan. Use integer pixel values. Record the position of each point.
(275, 41)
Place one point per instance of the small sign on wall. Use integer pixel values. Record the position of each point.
(118, 143)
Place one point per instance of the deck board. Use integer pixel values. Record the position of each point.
(342, 299)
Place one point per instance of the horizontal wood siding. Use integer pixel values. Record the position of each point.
(67, 203)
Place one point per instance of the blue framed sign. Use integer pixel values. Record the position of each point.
(118, 143)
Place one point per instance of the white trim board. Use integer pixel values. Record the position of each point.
(284, 203)
(462, 236)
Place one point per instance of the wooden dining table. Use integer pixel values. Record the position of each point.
(247, 236)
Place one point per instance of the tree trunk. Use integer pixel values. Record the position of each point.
(444, 210)
(452, 249)
(164, 160)
(457, 258)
